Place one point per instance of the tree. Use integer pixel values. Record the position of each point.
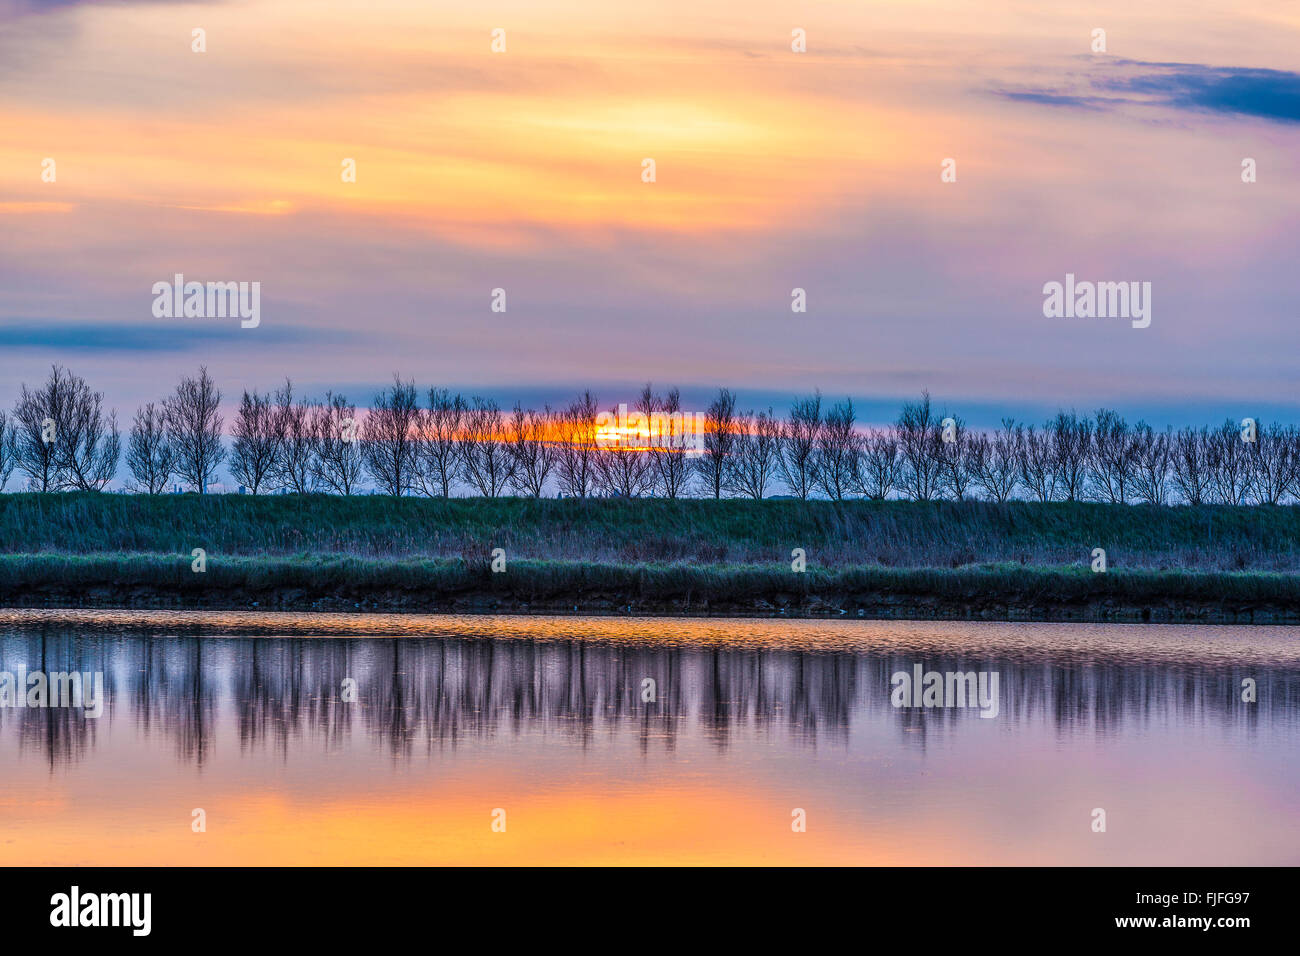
(879, 464)
(335, 431)
(1037, 468)
(8, 448)
(150, 456)
(194, 423)
(799, 437)
(389, 438)
(672, 437)
(88, 443)
(1153, 458)
(1273, 463)
(1112, 457)
(1229, 464)
(919, 439)
(256, 444)
(293, 465)
(532, 449)
(956, 468)
(1071, 442)
(576, 461)
(440, 438)
(757, 455)
(486, 462)
(37, 417)
(838, 454)
(623, 467)
(719, 442)
(1190, 463)
(995, 460)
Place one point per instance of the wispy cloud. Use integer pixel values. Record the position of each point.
(1235, 91)
(1058, 99)
(66, 335)
(1270, 94)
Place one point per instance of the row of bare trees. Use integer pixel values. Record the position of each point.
(927, 455)
(60, 436)
(447, 443)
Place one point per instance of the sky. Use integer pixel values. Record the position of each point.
(522, 170)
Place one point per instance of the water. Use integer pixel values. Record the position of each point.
(241, 715)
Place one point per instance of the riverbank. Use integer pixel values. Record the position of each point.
(848, 534)
(893, 559)
(340, 583)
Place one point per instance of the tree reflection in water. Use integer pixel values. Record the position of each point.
(416, 695)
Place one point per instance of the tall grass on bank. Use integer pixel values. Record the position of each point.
(890, 534)
(335, 581)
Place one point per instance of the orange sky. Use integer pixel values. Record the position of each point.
(522, 170)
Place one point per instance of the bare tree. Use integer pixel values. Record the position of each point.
(294, 462)
(956, 465)
(880, 462)
(38, 417)
(8, 448)
(1112, 457)
(1037, 465)
(623, 466)
(532, 448)
(256, 441)
(919, 438)
(87, 445)
(1190, 463)
(1071, 441)
(194, 421)
(440, 439)
(390, 438)
(719, 442)
(485, 458)
(576, 461)
(757, 455)
(150, 456)
(335, 431)
(799, 437)
(839, 452)
(1229, 464)
(1273, 463)
(672, 437)
(1153, 457)
(995, 460)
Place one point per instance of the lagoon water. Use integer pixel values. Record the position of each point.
(243, 716)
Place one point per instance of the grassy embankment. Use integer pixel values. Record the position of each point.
(904, 559)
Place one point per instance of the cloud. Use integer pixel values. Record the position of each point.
(1270, 94)
(1057, 99)
(128, 337)
(1231, 91)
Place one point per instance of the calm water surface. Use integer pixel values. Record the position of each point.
(243, 715)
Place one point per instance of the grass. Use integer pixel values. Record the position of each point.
(342, 581)
(894, 534)
(895, 558)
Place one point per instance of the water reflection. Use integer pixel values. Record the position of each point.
(417, 695)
